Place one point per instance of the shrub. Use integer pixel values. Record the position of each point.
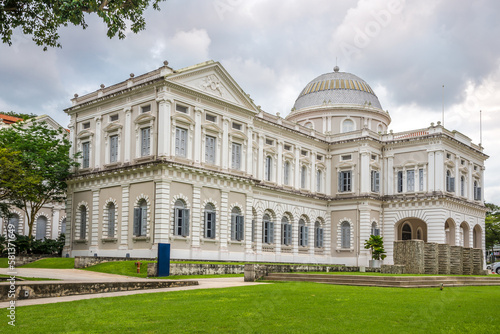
(45, 246)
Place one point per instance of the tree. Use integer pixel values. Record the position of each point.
(42, 18)
(25, 117)
(376, 245)
(43, 166)
(9, 170)
(492, 226)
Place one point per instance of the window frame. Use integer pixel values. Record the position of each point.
(179, 145)
(345, 181)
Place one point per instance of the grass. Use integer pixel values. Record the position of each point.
(273, 308)
(127, 268)
(380, 274)
(52, 263)
(4, 262)
(199, 276)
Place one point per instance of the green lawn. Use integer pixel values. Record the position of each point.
(52, 263)
(380, 274)
(31, 278)
(121, 268)
(3, 262)
(273, 308)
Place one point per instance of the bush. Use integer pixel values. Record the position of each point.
(45, 246)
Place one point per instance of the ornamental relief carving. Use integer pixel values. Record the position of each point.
(213, 84)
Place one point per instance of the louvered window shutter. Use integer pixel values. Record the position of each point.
(111, 222)
(144, 221)
(185, 222)
(137, 220)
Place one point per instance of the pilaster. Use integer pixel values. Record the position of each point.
(125, 217)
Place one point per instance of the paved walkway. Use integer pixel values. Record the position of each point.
(83, 275)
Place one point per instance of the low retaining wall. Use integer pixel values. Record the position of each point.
(392, 269)
(87, 261)
(198, 269)
(32, 290)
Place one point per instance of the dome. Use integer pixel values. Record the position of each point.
(337, 88)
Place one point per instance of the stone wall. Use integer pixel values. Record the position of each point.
(456, 262)
(431, 264)
(392, 269)
(467, 261)
(444, 254)
(477, 261)
(410, 253)
(87, 261)
(198, 269)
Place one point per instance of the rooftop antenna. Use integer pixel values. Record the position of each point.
(443, 105)
(480, 128)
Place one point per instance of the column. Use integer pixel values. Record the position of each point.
(69, 223)
(277, 236)
(297, 168)
(329, 171)
(248, 222)
(196, 218)
(94, 224)
(72, 139)
(124, 217)
(98, 145)
(162, 211)
(310, 237)
(364, 232)
(470, 183)
(164, 131)
(323, 124)
(481, 182)
(127, 133)
(55, 223)
(197, 136)
(279, 164)
(431, 172)
(390, 175)
(439, 170)
(260, 159)
(225, 143)
(249, 160)
(312, 178)
(329, 123)
(457, 179)
(365, 172)
(295, 236)
(224, 221)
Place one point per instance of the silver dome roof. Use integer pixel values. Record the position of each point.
(337, 88)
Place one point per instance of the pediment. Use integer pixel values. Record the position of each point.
(84, 134)
(212, 79)
(143, 118)
(112, 127)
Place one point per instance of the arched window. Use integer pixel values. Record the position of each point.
(111, 220)
(181, 219)
(380, 128)
(269, 169)
(345, 229)
(141, 218)
(303, 233)
(286, 231)
(462, 186)
(14, 221)
(210, 218)
(419, 234)
(406, 232)
(83, 222)
(286, 173)
(237, 224)
(319, 180)
(375, 229)
(318, 235)
(477, 192)
(268, 229)
(477, 237)
(303, 177)
(41, 227)
(63, 226)
(347, 126)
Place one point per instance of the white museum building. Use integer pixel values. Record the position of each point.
(186, 157)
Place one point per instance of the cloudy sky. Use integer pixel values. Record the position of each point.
(406, 51)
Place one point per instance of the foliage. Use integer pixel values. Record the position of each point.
(43, 166)
(10, 169)
(28, 245)
(275, 308)
(376, 246)
(42, 18)
(492, 225)
(25, 117)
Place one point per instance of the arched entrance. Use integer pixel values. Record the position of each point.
(477, 236)
(464, 235)
(449, 231)
(411, 229)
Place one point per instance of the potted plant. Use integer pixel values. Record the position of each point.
(376, 246)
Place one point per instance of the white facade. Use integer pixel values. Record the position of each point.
(185, 157)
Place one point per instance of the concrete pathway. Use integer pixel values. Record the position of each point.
(83, 275)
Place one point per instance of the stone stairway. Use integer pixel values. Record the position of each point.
(388, 281)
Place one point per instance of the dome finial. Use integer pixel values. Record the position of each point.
(336, 68)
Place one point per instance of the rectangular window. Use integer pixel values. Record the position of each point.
(286, 173)
(113, 118)
(345, 181)
(210, 224)
(236, 156)
(181, 222)
(319, 238)
(420, 179)
(210, 149)
(237, 227)
(286, 232)
(303, 177)
(269, 169)
(182, 109)
(180, 142)
(146, 108)
(477, 193)
(113, 148)
(400, 182)
(140, 221)
(374, 157)
(211, 118)
(410, 180)
(86, 155)
(303, 152)
(145, 142)
(303, 235)
(319, 180)
(375, 181)
(268, 232)
(236, 126)
(319, 157)
(269, 142)
(86, 125)
(288, 147)
(346, 157)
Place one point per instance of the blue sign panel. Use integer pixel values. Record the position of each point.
(163, 260)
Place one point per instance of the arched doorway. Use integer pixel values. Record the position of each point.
(449, 231)
(477, 236)
(464, 235)
(41, 227)
(411, 229)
